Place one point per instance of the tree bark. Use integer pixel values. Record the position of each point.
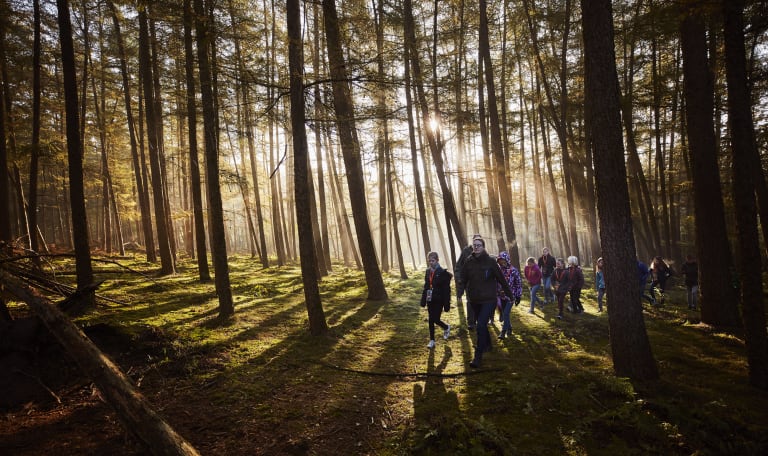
(718, 303)
(83, 266)
(203, 271)
(317, 323)
(631, 349)
(745, 155)
(216, 215)
(350, 148)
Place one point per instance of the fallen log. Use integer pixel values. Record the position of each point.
(132, 407)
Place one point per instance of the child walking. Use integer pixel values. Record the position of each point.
(560, 281)
(512, 276)
(533, 276)
(599, 283)
(436, 296)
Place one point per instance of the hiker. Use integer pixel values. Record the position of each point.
(436, 296)
(512, 276)
(533, 276)
(480, 275)
(576, 283)
(660, 273)
(599, 283)
(466, 252)
(547, 265)
(560, 281)
(691, 272)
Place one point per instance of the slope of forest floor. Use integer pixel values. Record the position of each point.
(259, 384)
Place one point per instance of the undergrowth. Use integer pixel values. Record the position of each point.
(260, 384)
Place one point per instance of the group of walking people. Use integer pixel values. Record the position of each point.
(495, 283)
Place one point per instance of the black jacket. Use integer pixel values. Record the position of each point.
(480, 275)
(440, 285)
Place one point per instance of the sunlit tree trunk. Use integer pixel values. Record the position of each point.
(325, 239)
(437, 158)
(194, 156)
(83, 266)
(745, 156)
(718, 303)
(204, 35)
(497, 145)
(424, 229)
(143, 197)
(631, 349)
(350, 148)
(317, 323)
(166, 257)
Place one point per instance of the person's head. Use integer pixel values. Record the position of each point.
(559, 263)
(599, 263)
(478, 245)
(545, 251)
(504, 260)
(530, 261)
(433, 259)
(573, 261)
(690, 258)
(658, 259)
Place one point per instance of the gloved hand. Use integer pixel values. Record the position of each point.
(517, 301)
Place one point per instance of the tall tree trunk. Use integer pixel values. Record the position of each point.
(34, 159)
(326, 246)
(167, 265)
(317, 323)
(5, 196)
(414, 155)
(382, 137)
(718, 303)
(350, 147)
(497, 145)
(436, 150)
(631, 349)
(143, 197)
(745, 156)
(204, 36)
(203, 271)
(83, 266)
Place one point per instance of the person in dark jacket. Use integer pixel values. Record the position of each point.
(560, 281)
(691, 272)
(576, 283)
(480, 275)
(547, 266)
(466, 252)
(436, 296)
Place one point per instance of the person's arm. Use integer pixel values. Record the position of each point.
(502, 280)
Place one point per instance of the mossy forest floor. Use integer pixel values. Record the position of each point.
(260, 384)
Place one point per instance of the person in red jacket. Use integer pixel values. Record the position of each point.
(533, 276)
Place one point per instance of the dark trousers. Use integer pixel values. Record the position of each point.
(435, 311)
(483, 312)
(576, 300)
(471, 315)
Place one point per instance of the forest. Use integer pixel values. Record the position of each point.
(215, 218)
